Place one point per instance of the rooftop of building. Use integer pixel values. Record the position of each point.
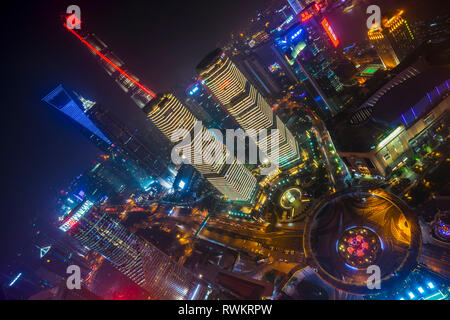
(403, 96)
(209, 59)
(383, 110)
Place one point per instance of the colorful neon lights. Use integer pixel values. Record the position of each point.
(85, 207)
(326, 26)
(305, 16)
(149, 92)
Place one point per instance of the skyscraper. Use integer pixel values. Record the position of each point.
(400, 35)
(247, 106)
(233, 180)
(137, 259)
(117, 70)
(230, 177)
(384, 48)
(295, 5)
(309, 46)
(394, 41)
(111, 135)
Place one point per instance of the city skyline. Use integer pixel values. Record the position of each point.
(361, 141)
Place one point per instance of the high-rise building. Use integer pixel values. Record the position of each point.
(261, 77)
(112, 136)
(247, 106)
(230, 177)
(233, 180)
(309, 46)
(117, 70)
(384, 48)
(295, 5)
(400, 35)
(393, 41)
(136, 258)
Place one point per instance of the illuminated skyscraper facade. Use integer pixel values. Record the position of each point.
(137, 259)
(309, 46)
(206, 153)
(394, 41)
(400, 35)
(384, 48)
(247, 106)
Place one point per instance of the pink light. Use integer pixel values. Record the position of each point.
(151, 93)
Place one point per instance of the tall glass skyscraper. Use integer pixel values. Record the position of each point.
(233, 180)
(309, 46)
(61, 100)
(247, 106)
(118, 71)
(136, 258)
(207, 154)
(111, 135)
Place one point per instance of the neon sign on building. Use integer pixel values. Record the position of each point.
(85, 207)
(326, 26)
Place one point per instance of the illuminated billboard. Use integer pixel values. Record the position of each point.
(326, 26)
(82, 210)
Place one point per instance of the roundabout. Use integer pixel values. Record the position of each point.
(352, 230)
(359, 247)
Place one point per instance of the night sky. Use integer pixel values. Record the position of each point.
(161, 42)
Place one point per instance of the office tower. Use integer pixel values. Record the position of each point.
(400, 35)
(137, 259)
(230, 177)
(310, 48)
(112, 136)
(383, 47)
(117, 70)
(199, 96)
(295, 5)
(247, 106)
(61, 100)
(394, 41)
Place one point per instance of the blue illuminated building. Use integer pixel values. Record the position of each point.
(122, 144)
(61, 100)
